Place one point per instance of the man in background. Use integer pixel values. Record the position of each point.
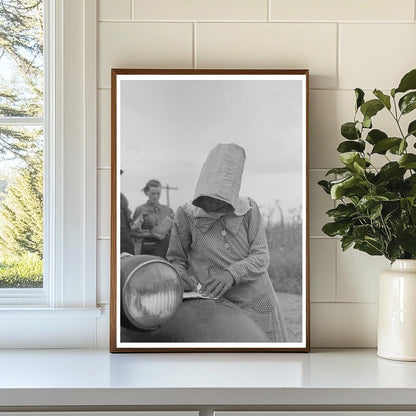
(126, 241)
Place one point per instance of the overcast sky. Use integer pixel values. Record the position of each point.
(168, 127)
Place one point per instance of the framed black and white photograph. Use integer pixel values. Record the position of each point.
(209, 211)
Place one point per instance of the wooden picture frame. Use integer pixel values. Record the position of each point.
(165, 124)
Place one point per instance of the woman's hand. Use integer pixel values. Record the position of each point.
(189, 281)
(218, 285)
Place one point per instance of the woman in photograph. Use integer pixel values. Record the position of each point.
(218, 244)
(152, 222)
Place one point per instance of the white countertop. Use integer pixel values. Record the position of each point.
(96, 377)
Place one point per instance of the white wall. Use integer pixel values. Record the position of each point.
(345, 44)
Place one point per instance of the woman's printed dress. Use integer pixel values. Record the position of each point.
(204, 244)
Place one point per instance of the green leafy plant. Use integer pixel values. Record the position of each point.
(376, 210)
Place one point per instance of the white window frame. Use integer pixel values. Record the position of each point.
(64, 313)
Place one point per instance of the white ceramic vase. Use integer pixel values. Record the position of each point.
(397, 312)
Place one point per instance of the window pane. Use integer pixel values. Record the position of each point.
(21, 58)
(21, 146)
(21, 209)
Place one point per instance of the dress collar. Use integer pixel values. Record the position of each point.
(232, 222)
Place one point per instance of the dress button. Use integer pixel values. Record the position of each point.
(226, 245)
(223, 233)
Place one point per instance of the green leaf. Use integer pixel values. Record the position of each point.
(349, 158)
(325, 186)
(342, 211)
(359, 165)
(367, 122)
(411, 180)
(411, 183)
(407, 239)
(408, 82)
(369, 201)
(393, 92)
(338, 189)
(338, 171)
(346, 242)
(398, 149)
(374, 242)
(391, 212)
(413, 211)
(368, 248)
(383, 145)
(349, 146)
(408, 102)
(361, 231)
(402, 147)
(333, 229)
(359, 95)
(411, 130)
(412, 201)
(350, 131)
(371, 108)
(408, 161)
(385, 99)
(375, 211)
(391, 170)
(393, 250)
(375, 136)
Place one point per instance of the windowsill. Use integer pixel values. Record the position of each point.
(336, 378)
(37, 311)
(41, 327)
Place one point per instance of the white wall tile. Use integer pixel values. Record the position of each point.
(319, 203)
(142, 45)
(328, 110)
(349, 325)
(104, 129)
(323, 269)
(104, 202)
(376, 55)
(200, 10)
(258, 45)
(114, 10)
(357, 275)
(103, 271)
(342, 10)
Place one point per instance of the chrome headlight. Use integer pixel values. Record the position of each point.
(151, 291)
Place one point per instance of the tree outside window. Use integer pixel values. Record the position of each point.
(21, 143)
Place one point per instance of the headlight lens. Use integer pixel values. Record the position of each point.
(152, 293)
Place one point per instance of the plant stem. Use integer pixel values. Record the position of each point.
(397, 118)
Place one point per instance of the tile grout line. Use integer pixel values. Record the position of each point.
(322, 237)
(307, 22)
(336, 271)
(338, 63)
(194, 62)
(344, 303)
(269, 11)
(131, 9)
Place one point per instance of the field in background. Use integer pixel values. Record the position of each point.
(291, 309)
(284, 237)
